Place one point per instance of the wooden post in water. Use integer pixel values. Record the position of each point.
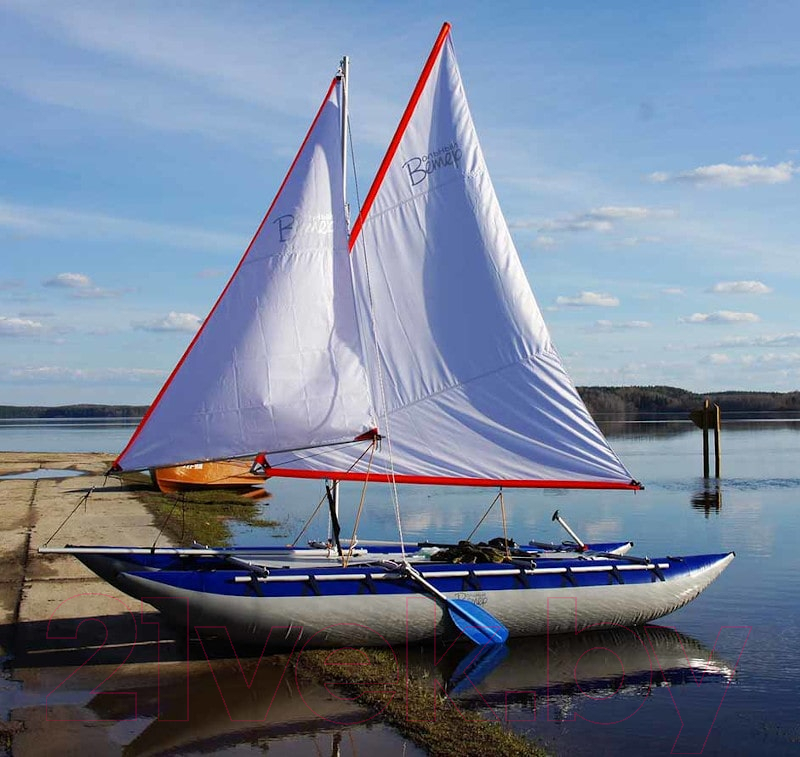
(705, 419)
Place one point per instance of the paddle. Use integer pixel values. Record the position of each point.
(478, 625)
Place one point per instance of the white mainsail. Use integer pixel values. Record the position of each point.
(468, 384)
(278, 362)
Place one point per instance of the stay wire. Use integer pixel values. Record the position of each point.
(483, 518)
(82, 501)
(387, 429)
(308, 522)
(325, 496)
(346, 560)
(505, 522)
(178, 500)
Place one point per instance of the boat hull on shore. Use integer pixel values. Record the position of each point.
(373, 605)
(233, 475)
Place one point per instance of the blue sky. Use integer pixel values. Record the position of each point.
(646, 156)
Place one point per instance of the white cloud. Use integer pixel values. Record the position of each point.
(544, 240)
(779, 340)
(616, 213)
(588, 299)
(603, 219)
(721, 316)
(51, 373)
(577, 223)
(740, 287)
(718, 358)
(605, 325)
(81, 286)
(36, 314)
(129, 67)
(636, 241)
(19, 327)
(171, 322)
(726, 175)
(97, 293)
(69, 281)
(773, 360)
(210, 273)
(748, 157)
(61, 223)
(672, 291)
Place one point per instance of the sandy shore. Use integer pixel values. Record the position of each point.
(43, 597)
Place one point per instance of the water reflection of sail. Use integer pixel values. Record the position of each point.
(591, 664)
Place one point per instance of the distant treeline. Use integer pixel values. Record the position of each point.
(73, 411)
(618, 402)
(643, 402)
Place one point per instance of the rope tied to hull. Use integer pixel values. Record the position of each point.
(82, 501)
(346, 558)
(178, 500)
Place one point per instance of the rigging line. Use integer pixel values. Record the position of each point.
(325, 496)
(308, 522)
(472, 533)
(346, 560)
(82, 501)
(395, 497)
(183, 520)
(382, 388)
(322, 450)
(503, 518)
(353, 164)
(352, 274)
(181, 499)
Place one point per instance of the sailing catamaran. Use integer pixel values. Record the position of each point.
(410, 350)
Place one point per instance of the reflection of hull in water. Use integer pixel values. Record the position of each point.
(225, 474)
(276, 705)
(586, 664)
(272, 705)
(376, 604)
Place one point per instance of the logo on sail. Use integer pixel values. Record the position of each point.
(290, 227)
(420, 168)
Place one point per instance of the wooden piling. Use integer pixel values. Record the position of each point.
(706, 418)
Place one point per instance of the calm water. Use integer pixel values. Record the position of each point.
(720, 675)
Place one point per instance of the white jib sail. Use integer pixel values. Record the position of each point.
(474, 390)
(277, 364)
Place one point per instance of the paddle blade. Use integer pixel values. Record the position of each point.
(475, 623)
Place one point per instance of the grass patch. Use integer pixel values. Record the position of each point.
(202, 516)
(412, 705)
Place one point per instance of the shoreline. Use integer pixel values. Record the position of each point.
(80, 657)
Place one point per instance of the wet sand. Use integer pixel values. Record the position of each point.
(88, 669)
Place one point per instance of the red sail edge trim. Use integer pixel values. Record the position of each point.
(385, 478)
(398, 135)
(116, 466)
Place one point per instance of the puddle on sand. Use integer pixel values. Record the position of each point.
(44, 473)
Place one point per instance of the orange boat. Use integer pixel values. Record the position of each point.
(223, 474)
